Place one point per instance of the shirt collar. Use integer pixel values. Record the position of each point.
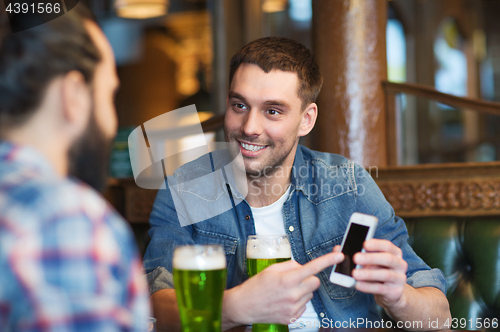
(25, 155)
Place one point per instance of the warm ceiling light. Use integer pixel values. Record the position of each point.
(274, 6)
(141, 9)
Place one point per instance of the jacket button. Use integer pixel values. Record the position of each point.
(247, 217)
(322, 314)
(291, 228)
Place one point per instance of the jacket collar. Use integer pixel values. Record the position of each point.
(300, 172)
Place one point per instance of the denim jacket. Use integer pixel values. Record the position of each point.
(326, 189)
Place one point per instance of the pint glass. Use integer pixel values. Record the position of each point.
(263, 251)
(199, 281)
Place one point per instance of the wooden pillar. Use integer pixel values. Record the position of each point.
(350, 46)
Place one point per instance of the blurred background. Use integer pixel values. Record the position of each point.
(173, 53)
(178, 54)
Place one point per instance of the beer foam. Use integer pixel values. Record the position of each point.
(189, 258)
(261, 251)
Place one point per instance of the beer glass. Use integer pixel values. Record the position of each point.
(151, 324)
(263, 251)
(199, 281)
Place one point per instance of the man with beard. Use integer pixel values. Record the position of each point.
(68, 262)
(305, 194)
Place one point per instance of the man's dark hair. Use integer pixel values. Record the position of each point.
(282, 54)
(31, 59)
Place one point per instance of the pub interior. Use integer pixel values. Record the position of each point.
(411, 91)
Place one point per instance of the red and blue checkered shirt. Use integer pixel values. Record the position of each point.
(68, 262)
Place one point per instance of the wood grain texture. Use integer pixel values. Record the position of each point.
(424, 91)
(349, 45)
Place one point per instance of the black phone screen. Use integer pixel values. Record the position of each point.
(353, 243)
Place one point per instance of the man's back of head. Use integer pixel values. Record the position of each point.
(57, 84)
(31, 59)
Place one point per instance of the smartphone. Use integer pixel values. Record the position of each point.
(361, 227)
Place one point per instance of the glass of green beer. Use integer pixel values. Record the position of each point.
(199, 280)
(263, 251)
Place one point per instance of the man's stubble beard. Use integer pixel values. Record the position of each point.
(265, 171)
(88, 156)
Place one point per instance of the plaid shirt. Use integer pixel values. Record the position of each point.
(68, 262)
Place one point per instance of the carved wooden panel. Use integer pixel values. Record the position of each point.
(453, 189)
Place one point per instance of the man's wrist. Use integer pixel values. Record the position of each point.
(401, 305)
(230, 311)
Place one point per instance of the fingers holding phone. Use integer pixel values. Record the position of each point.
(373, 266)
(383, 271)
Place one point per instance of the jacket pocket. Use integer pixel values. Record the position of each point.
(335, 292)
(229, 243)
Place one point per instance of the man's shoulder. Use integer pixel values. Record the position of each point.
(56, 224)
(49, 198)
(65, 215)
(322, 175)
(324, 166)
(324, 159)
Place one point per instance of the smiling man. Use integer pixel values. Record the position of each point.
(305, 194)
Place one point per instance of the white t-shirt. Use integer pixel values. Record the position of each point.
(269, 220)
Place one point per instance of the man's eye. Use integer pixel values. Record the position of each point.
(240, 106)
(272, 112)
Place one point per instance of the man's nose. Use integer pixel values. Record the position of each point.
(252, 125)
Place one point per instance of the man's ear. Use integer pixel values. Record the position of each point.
(308, 120)
(76, 102)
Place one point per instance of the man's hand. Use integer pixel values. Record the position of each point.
(277, 294)
(383, 272)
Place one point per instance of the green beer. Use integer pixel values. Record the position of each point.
(199, 280)
(256, 265)
(264, 251)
